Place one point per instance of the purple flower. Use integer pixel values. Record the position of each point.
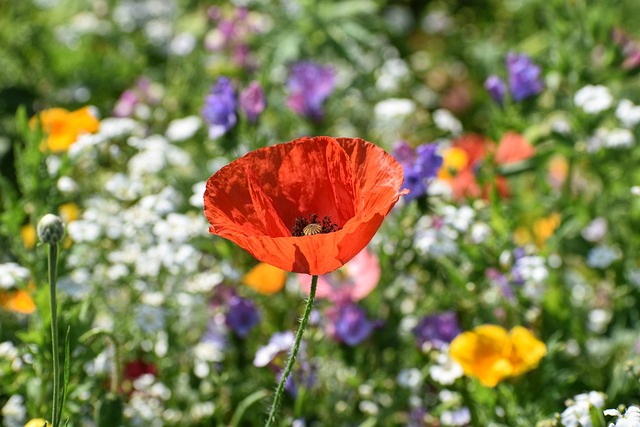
(219, 109)
(496, 88)
(524, 76)
(280, 342)
(309, 85)
(350, 324)
(242, 316)
(500, 281)
(437, 329)
(425, 165)
(252, 101)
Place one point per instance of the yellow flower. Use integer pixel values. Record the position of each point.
(454, 159)
(69, 212)
(38, 422)
(491, 354)
(62, 127)
(543, 229)
(29, 236)
(265, 278)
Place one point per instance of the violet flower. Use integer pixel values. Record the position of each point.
(437, 329)
(219, 110)
(242, 316)
(524, 76)
(252, 101)
(417, 173)
(309, 85)
(496, 88)
(350, 324)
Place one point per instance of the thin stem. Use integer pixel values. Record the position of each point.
(293, 354)
(53, 267)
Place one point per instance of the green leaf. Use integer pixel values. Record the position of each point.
(67, 370)
(244, 405)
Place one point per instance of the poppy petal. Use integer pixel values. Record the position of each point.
(350, 180)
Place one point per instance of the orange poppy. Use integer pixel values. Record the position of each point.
(17, 301)
(306, 206)
(62, 127)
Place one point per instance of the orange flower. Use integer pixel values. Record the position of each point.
(543, 229)
(265, 278)
(17, 301)
(512, 148)
(62, 127)
(491, 354)
(306, 206)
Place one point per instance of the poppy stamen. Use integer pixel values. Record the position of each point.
(309, 226)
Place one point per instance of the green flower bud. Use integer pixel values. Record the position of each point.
(50, 229)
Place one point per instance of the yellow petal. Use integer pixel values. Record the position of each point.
(29, 235)
(454, 159)
(69, 212)
(265, 278)
(527, 350)
(37, 422)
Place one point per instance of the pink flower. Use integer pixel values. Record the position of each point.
(354, 281)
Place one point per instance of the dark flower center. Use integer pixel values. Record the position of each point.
(309, 225)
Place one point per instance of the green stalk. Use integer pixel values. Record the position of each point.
(293, 354)
(53, 267)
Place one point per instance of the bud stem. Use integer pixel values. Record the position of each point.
(293, 354)
(53, 268)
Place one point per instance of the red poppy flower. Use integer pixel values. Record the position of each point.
(306, 206)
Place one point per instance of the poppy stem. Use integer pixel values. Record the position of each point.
(293, 354)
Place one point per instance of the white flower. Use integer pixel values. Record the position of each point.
(577, 412)
(197, 199)
(391, 74)
(393, 108)
(410, 378)
(628, 113)
(447, 371)
(182, 44)
(150, 319)
(596, 230)
(631, 417)
(12, 274)
(598, 320)
(480, 232)
(593, 99)
(459, 218)
(446, 121)
(84, 231)
(183, 129)
(14, 412)
(67, 185)
(619, 138)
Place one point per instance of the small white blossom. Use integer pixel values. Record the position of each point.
(14, 412)
(577, 413)
(602, 256)
(619, 138)
(596, 230)
(446, 121)
(183, 129)
(446, 371)
(593, 99)
(393, 108)
(628, 113)
(12, 275)
(630, 418)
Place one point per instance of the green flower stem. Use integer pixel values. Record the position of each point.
(293, 354)
(53, 268)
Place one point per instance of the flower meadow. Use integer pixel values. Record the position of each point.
(339, 213)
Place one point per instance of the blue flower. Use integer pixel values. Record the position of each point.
(242, 316)
(219, 110)
(524, 76)
(309, 85)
